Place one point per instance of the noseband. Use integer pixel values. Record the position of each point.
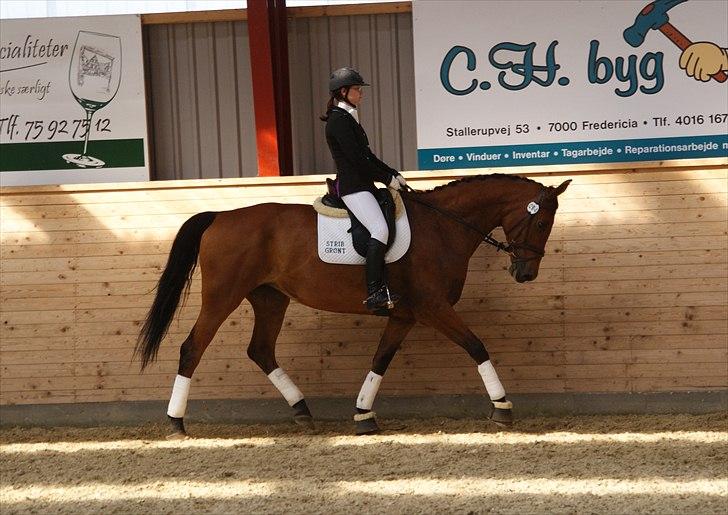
(510, 247)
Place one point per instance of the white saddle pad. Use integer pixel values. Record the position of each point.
(335, 245)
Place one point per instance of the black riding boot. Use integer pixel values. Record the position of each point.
(379, 295)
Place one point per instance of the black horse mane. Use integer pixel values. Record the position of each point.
(476, 178)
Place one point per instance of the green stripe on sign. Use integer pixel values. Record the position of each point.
(116, 153)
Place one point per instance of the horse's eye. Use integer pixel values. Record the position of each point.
(541, 225)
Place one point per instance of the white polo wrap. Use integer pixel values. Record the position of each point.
(368, 391)
(492, 384)
(178, 400)
(285, 385)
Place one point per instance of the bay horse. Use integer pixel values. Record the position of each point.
(267, 254)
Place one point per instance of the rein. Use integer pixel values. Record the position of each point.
(509, 247)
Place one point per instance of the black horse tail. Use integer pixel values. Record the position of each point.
(175, 278)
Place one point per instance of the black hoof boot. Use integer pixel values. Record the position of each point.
(366, 423)
(501, 413)
(178, 429)
(302, 415)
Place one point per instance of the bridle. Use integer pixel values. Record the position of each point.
(510, 247)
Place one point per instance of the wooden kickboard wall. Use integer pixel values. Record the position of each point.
(632, 296)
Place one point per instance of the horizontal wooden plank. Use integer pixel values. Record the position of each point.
(645, 175)
(679, 369)
(646, 244)
(654, 356)
(89, 250)
(170, 18)
(703, 298)
(712, 284)
(685, 327)
(645, 272)
(654, 230)
(596, 218)
(149, 234)
(676, 384)
(679, 187)
(688, 313)
(627, 208)
(665, 257)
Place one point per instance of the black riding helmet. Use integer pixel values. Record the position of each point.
(344, 78)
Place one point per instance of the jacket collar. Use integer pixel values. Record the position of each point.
(349, 109)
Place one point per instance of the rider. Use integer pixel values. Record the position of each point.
(357, 169)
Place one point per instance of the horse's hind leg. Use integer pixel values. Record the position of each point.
(216, 307)
(269, 306)
(393, 336)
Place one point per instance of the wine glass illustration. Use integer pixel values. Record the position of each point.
(94, 75)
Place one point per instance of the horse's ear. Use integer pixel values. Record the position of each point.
(561, 188)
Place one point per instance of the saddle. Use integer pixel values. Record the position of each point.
(359, 234)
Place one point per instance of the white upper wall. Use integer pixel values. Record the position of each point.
(51, 8)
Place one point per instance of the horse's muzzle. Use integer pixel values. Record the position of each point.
(520, 275)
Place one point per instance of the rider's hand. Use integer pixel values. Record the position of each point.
(400, 179)
(395, 183)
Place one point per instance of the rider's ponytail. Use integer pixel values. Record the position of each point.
(324, 117)
(335, 97)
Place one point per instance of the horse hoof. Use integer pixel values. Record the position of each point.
(501, 416)
(305, 421)
(178, 436)
(302, 415)
(178, 429)
(366, 424)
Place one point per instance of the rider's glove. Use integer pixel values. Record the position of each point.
(397, 182)
(400, 180)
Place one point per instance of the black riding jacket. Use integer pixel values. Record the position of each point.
(357, 167)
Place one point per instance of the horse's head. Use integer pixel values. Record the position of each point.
(527, 227)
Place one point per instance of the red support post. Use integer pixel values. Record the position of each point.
(268, 34)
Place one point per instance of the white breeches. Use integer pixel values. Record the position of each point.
(366, 208)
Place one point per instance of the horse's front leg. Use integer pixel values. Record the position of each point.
(449, 323)
(394, 334)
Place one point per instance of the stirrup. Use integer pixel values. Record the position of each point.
(381, 298)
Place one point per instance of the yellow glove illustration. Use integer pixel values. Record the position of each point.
(703, 59)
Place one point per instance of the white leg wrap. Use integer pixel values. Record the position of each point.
(285, 385)
(492, 384)
(178, 400)
(368, 391)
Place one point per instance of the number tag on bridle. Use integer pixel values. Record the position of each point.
(532, 208)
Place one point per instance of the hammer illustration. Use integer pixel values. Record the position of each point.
(654, 16)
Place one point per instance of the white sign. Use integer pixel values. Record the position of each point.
(506, 83)
(72, 104)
